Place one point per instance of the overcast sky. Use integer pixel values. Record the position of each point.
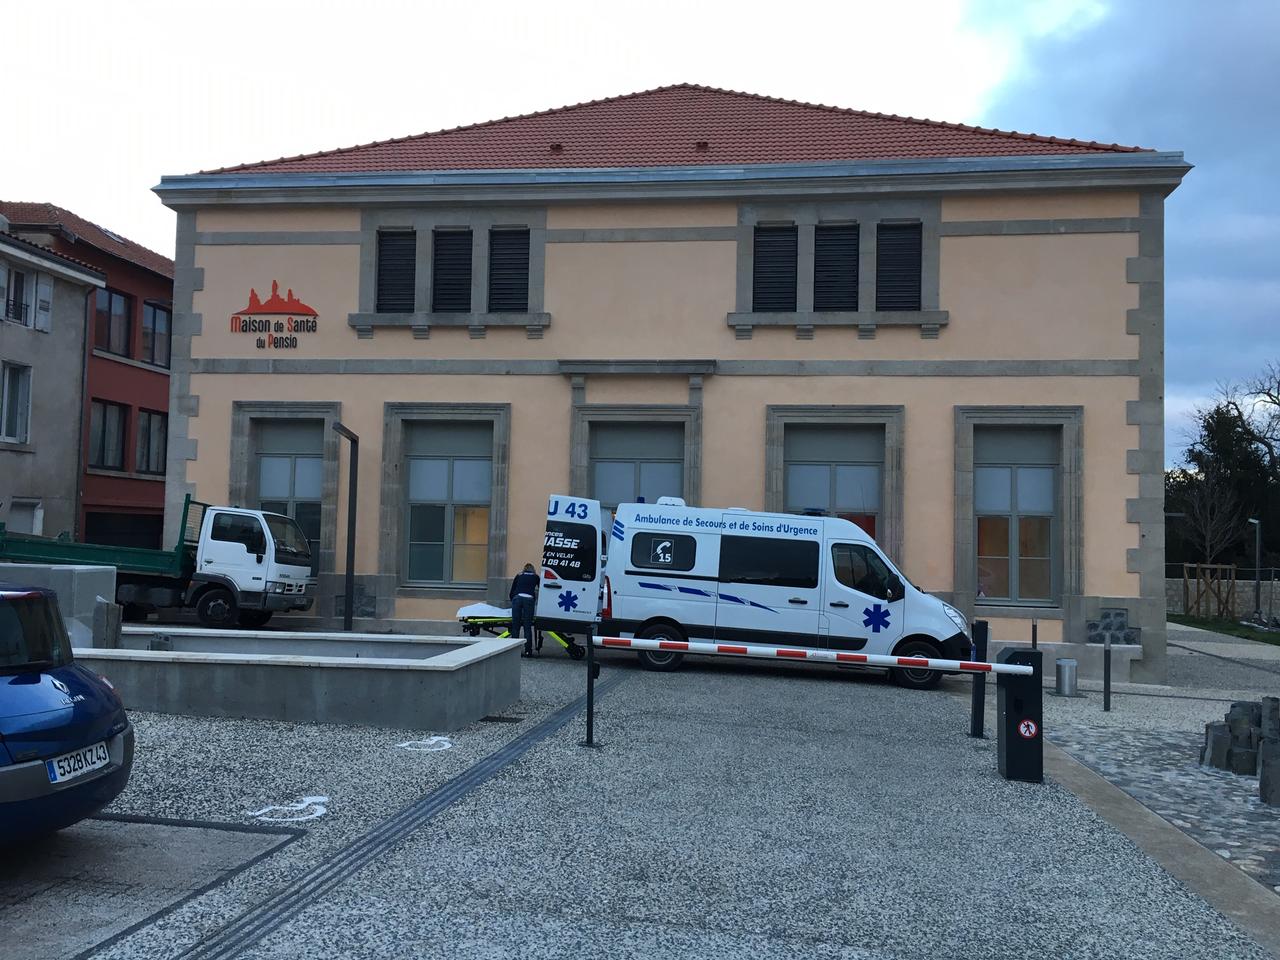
(110, 96)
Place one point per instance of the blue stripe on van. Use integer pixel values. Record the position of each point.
(694, 591)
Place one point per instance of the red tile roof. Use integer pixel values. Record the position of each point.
(21, 243)
(22, 214)
(679, 125)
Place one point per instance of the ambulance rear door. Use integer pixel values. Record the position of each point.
(572, 567)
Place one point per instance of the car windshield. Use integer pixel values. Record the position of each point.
(291, 542)
(32, 635)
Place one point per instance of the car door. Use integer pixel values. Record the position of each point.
(768, 588)
(863, 612)
(235, 548)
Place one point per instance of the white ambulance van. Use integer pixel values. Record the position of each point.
(674, 572)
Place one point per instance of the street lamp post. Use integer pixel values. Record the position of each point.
(1257, 569)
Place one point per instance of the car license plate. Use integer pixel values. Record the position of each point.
(78, 762)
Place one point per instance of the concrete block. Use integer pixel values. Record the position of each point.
(106, 624)
(1217, 745)
(1269, 772)
(1270, 718)
(1243, 761)
(77, 587)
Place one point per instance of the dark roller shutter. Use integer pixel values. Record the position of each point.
(773, 286)
(508, 271)
(835, 267)
(397, 253)
(451, 271)
(898, 266)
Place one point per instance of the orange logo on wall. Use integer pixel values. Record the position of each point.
(277, 321)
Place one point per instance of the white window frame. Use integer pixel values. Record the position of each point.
(8, 370)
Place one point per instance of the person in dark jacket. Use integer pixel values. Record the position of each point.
(524, 600)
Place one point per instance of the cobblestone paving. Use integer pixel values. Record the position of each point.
(1159, 769)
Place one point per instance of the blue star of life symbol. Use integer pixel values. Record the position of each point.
(568, 601)
(876, 617)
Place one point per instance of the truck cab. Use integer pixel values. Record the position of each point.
(249, 565)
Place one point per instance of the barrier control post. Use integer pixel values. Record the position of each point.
(977, 722)
(1020, 717)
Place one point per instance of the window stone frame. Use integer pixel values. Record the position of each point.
(241, 484)
(392, 535)
(479, 220)
(889, 416)
(585, 414)
(867, 213)
(1071, 466)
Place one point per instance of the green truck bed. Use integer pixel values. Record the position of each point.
(177, 563)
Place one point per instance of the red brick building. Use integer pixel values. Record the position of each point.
(126, 374)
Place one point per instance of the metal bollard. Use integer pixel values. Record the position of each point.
(1066, 674)
(977, 720)
(1020, 718)
(593, 672)
(1035, 633)
(1106, 675)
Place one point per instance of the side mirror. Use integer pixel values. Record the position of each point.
(259, 557)
(893, 589)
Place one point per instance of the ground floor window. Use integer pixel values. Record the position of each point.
(1016, 509)
(449, 471)
(290, 474)
(631, 462)
(836, 470)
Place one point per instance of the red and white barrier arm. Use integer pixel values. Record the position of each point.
(805, 653)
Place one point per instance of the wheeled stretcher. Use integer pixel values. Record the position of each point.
(496, 621)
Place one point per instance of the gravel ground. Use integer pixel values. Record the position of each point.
(736, 809)
(739, 811)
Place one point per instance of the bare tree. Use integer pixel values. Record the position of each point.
(1212, 512)
(1257, 404)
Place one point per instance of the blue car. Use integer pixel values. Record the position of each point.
(66, 746)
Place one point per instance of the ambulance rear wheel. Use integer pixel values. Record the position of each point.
(916, 678)
(663, 661)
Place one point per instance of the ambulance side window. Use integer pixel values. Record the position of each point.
(860, 568)
(663, 551)
(769, 562)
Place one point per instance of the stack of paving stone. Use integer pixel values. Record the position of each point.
(1248, 742)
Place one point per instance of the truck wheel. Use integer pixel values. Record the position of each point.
(217, 608)
(252, 619)
(663, 661)
(916, 678)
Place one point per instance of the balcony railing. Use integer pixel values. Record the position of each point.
(17, 310)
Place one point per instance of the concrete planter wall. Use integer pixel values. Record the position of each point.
(419, 683)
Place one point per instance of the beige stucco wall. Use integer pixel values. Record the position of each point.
(236, 219)
(1073, 204)
(584, 216)
(1038, 296)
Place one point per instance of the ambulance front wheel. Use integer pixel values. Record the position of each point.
(916, 678)
(661, 660)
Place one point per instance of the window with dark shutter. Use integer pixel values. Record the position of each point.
(451, 271)
(773, 286)
(508, 271)
(835, 266)
(898, 258)
(397, 255)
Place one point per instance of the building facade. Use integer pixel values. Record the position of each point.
(125, 424)
(952, 336)
(45, 299)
